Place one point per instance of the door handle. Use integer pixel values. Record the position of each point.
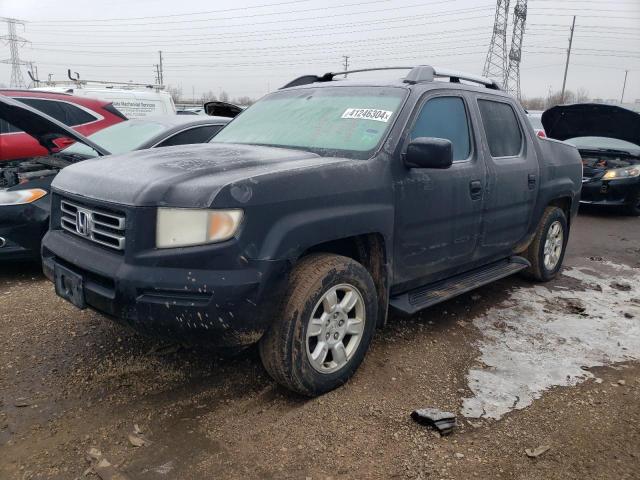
(475, 189)
(532, 181)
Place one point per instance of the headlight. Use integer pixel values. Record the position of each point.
(20, 197)
(626, 172)
(182, 227)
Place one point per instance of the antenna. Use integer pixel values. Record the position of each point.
(495, 65)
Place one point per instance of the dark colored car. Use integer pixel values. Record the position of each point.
(608, 138)
(25, 185)
(85, 115)
(313, 212)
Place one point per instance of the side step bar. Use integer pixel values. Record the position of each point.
(428, 295)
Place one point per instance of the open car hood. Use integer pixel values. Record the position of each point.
(222, 109)
(592, 120)
(41, 126)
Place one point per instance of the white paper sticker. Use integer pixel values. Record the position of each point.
(368, 114)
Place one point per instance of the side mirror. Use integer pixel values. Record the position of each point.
(429, 152)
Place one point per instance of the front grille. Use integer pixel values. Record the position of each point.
(98, 225)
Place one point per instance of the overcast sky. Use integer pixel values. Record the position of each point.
(250, 47)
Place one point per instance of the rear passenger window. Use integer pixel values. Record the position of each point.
(445, 117)
(63, 112)
(193, 135)
(501, 127)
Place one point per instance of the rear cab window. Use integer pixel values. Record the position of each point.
(502, 128)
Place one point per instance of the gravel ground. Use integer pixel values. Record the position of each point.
(71, 381)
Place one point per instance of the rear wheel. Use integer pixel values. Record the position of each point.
(546, 251)
(326, 324)
(633, 207)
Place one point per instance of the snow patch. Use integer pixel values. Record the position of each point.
(540, 338)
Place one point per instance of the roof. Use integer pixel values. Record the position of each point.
(53, 95)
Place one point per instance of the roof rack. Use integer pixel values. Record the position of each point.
(417, 74)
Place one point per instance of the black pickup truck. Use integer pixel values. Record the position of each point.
(311, 213)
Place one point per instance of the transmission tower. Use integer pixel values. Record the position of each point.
(512, 82)
(495, 66)
(14, 42)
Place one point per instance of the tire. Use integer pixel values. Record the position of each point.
(553, 217)
(305, 327)
(633, 207)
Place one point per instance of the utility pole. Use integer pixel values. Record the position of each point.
(566, 67)
(157, 73)
(495, 65)
(161, 72)
(624, 85)
(346, 64)
(14, 42)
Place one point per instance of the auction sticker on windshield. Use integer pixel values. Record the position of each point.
(368, 114)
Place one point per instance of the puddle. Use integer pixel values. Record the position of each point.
(539, 338)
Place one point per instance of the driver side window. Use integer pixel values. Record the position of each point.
(445, 117)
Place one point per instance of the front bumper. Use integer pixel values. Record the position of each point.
(609, 192)
(186, 303)
(21, 230)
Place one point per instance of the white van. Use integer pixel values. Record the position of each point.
(133, 103)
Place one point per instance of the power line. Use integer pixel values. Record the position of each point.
(206, 12)
(105, 33)
(465, 34)
(221, 19)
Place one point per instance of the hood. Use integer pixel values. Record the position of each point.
(182, 176)
(222, 109)
(592, 120)
(40, 126)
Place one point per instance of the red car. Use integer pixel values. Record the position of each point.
(86, 115)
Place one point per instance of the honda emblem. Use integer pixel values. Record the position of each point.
(82, 222)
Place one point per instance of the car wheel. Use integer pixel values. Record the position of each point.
(633, 207)
(325, 326)
(546, 251)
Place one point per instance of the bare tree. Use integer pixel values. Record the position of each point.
(582, 95)
(224, 96)
(536, 103)
(208, 97)
(244, 101)
(175, 92)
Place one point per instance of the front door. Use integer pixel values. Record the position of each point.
(438, 212)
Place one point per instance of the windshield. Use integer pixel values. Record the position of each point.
(119, 138)
(604, 142)
(332, 121)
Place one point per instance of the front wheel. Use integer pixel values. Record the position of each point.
(546, 251)
(326, 324)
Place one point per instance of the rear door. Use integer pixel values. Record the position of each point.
(439, 212)
(512, 182)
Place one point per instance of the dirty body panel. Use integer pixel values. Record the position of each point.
(303, 192)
